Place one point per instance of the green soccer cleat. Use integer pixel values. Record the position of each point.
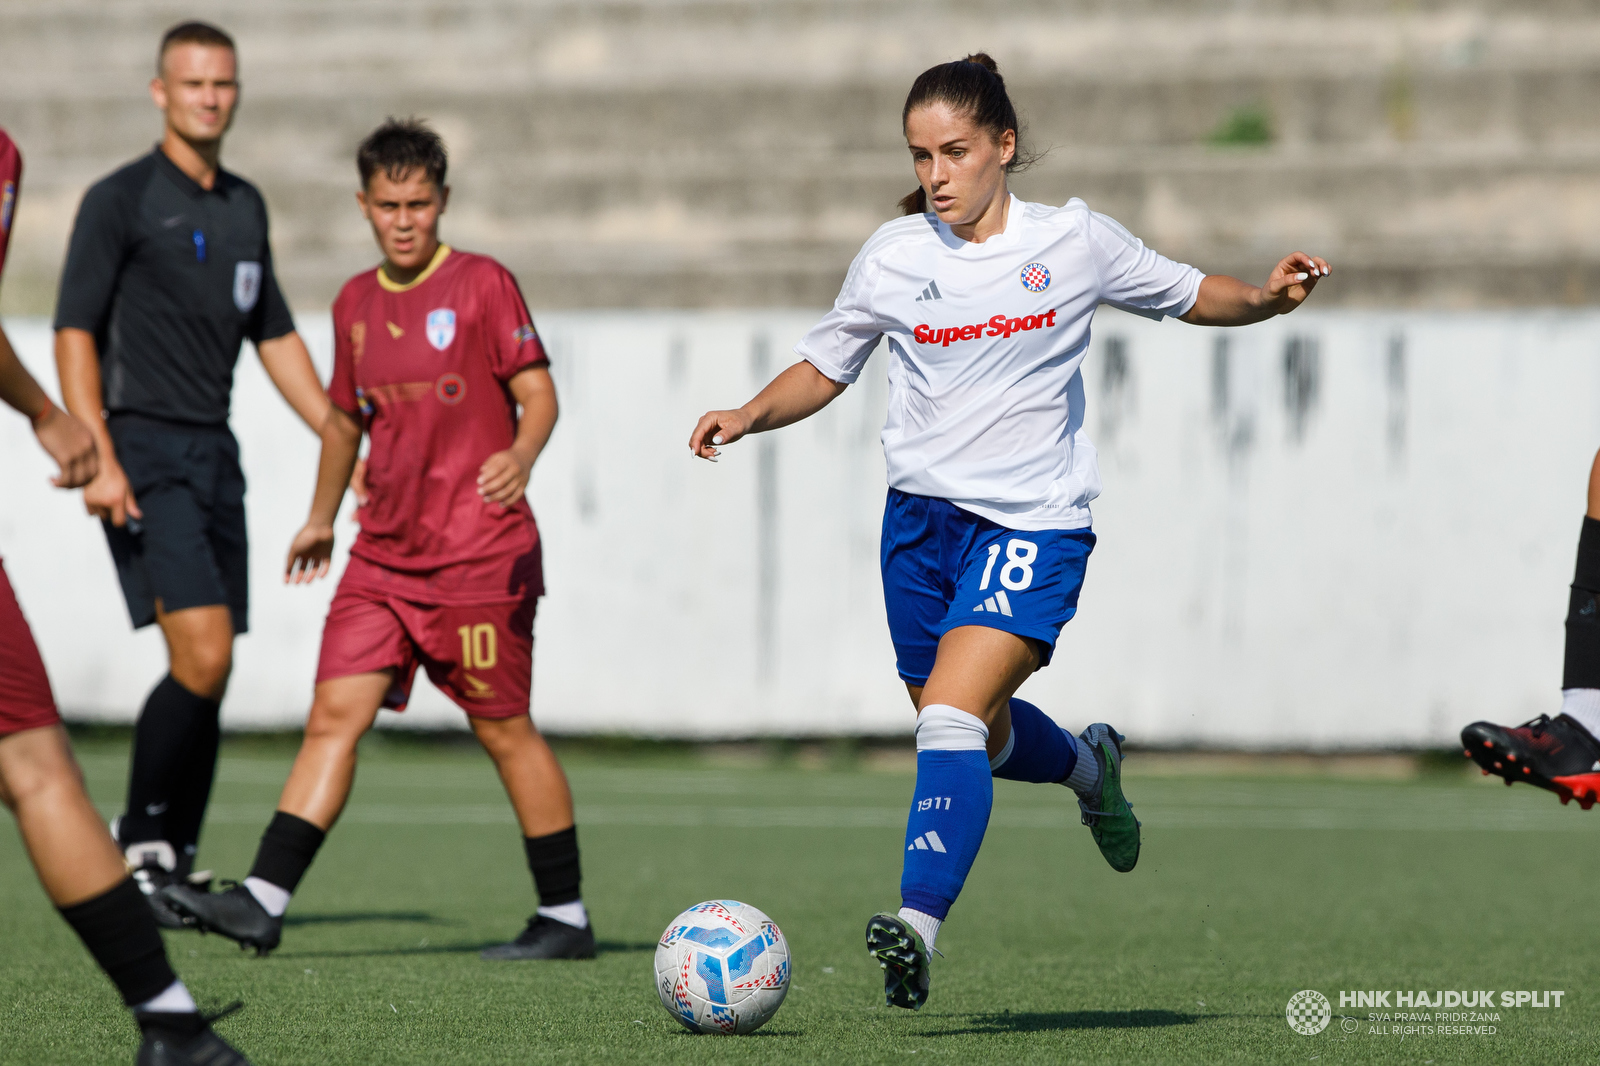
(899, 950)
(1110, 819)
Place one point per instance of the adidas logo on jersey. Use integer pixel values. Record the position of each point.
(930, 293)
(998, 326)
(927, 841)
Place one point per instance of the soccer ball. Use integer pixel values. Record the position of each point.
(722, 967)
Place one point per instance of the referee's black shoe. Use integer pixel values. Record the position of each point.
(235, 914)
(152, 877)
(185, 1040)
(1554, 753)
(546, 938)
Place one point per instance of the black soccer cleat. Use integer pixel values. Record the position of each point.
(904, 959)
(152, 878)
(235, 914)
(186, 1040)
(546, 938)
(1554, 753)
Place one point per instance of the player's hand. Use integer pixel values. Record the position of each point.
(310, 555)
(70, 445)
(109, 498)
(503, 477)
(1291, 281)
(717, 427)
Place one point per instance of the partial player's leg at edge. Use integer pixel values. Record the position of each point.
(1561, 754)
(83, 874)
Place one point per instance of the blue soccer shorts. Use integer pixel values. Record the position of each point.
(944, 567)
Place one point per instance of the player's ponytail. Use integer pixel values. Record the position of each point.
(973, 87)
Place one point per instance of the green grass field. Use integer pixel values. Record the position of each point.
(1249, 889)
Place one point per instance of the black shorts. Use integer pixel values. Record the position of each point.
(190, 548)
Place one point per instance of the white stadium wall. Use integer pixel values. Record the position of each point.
(1333, 530)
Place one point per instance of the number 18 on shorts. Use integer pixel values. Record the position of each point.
(944, 568)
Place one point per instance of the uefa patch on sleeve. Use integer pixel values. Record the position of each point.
(1036, 277)
(523, 333)
(8, 199)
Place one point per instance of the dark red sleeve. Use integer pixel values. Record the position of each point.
(349, 338)
(513, 343)
(10, 186)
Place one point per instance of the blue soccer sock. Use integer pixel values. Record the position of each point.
(1038, 749)
(950, 811)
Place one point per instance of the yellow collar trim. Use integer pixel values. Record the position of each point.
(439, 256)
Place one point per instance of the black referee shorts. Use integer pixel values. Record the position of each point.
(189, 549)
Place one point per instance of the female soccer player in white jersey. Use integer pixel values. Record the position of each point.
(986, 302)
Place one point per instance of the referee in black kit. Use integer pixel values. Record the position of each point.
(169, 270)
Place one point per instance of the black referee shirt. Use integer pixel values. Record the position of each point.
(170, 278)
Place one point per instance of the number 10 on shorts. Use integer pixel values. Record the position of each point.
(478, 650)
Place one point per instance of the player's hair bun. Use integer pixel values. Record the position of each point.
(983, 60)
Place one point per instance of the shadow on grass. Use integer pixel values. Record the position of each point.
(358, 917)
(604, 947)
(378, 953)
(788, 1034)
(1056, 1021)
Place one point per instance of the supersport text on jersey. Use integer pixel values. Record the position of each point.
(995, 427)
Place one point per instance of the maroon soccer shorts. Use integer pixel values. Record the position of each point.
(481, 656)
(25, 698)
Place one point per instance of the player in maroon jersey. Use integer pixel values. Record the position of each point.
(81, 869)
(434, 351)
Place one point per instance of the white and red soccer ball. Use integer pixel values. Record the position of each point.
(722, 967)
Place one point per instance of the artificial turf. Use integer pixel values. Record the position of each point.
(1249, 889)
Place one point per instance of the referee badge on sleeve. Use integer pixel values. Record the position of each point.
(246, 285)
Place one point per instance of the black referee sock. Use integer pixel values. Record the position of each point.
(554, 862)
(287, 848)
(166, 800)
(191, 792)
(119, 929)
(1582, 668)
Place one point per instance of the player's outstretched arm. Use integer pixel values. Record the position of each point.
(796, 394)
(1225, 301)
(63, 437)
(107, 494)
(289, 366)
(311, 553)
(503, 477)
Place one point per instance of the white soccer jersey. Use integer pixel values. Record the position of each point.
(985, 344)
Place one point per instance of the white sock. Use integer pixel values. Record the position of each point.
(573, 914)
(1085, 776)
(1583, 706)
(273, 900)
(926, 924)
(175, 1000)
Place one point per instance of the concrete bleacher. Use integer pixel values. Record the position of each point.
(668, 153)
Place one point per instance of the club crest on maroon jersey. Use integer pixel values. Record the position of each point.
(441, 327)
(451, 389)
